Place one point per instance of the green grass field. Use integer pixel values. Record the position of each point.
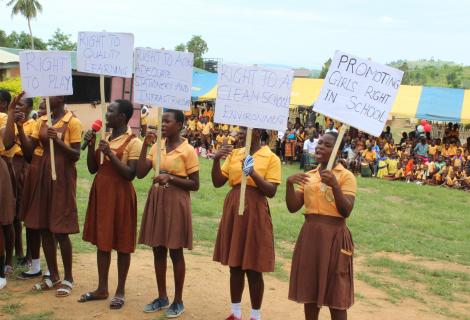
(421, 222)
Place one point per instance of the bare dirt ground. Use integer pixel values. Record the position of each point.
(206, 295)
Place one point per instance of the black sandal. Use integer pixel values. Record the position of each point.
(90, 297)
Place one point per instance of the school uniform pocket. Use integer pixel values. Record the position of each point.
(344, 261)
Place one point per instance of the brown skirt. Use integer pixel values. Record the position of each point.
(30, 185)
(167, 220)
(246, 240)
(52, 204)
(322, 265)
(20, 166)
(111, 218)
(7, 196)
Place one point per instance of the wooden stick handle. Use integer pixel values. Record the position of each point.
(103, 113)
(159, 140)
(334, 153)
(51, 142)
(241, 206)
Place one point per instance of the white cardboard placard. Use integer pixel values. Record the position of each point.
(359, 92)
(46, 73)
(253, 96)
(106, 53)
(163, 78)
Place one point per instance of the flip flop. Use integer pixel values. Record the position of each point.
(90, 297)
(45, 285)
(117, 303)
(65, 289)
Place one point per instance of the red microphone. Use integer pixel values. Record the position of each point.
(96, 126)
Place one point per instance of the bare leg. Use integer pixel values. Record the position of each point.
(160, 263)
(50, 252)
(124, 262)
(66, 251)
(9, 236)
(179, 271)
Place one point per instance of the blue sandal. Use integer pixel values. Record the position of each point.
(157, 305)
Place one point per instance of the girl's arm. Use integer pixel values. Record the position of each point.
(267, 188)
(93, 167)
(344, 203)
(143, 164)
(72, 151)
(190, 184)
(127, 171)
(218, 179)
(294, 198)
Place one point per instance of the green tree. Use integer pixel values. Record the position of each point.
(61, 41)
(406, 73)
(23, 41)
(27, 8)
(4, 41)
(198, 47)
(181, 47)
(324, 69)
(453, 80)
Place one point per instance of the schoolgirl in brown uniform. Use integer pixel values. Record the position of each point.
(111, 218)
(7, 196)
(18, 124)
(322, 266)
(245, 242)
(33, 236)
(167, 223)
(53, 206)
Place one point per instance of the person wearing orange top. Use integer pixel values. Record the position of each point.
(245, 243)
(111, 216)
(167, 222)
(20, 165)
(322, 263)
(53, 206)
(33, 236)
(7, 195)
(208, 113)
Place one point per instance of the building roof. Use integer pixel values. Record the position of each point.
(11, 55)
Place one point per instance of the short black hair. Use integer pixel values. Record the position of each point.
(5, 96)
(126, 107)
(178, 114)
(333, 134)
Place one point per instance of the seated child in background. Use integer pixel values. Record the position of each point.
(392, 164)
(458, 159)
(382, 165)
(466, 177)
(420, 172)
(450, 181)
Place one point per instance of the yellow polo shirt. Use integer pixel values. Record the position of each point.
(318, 202)
(266, 164)
(180, 162)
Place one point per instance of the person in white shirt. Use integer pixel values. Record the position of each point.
(308, 157)
(331, 128)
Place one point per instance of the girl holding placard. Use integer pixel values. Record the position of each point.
(322, 267)
(245, 242)
(111, 218)
(167, 223)
(53, 207)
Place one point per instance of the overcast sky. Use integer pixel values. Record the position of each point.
(291, 33)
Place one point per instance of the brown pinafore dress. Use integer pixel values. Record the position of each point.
(111, 218)
(53, 205)
(7, 195)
